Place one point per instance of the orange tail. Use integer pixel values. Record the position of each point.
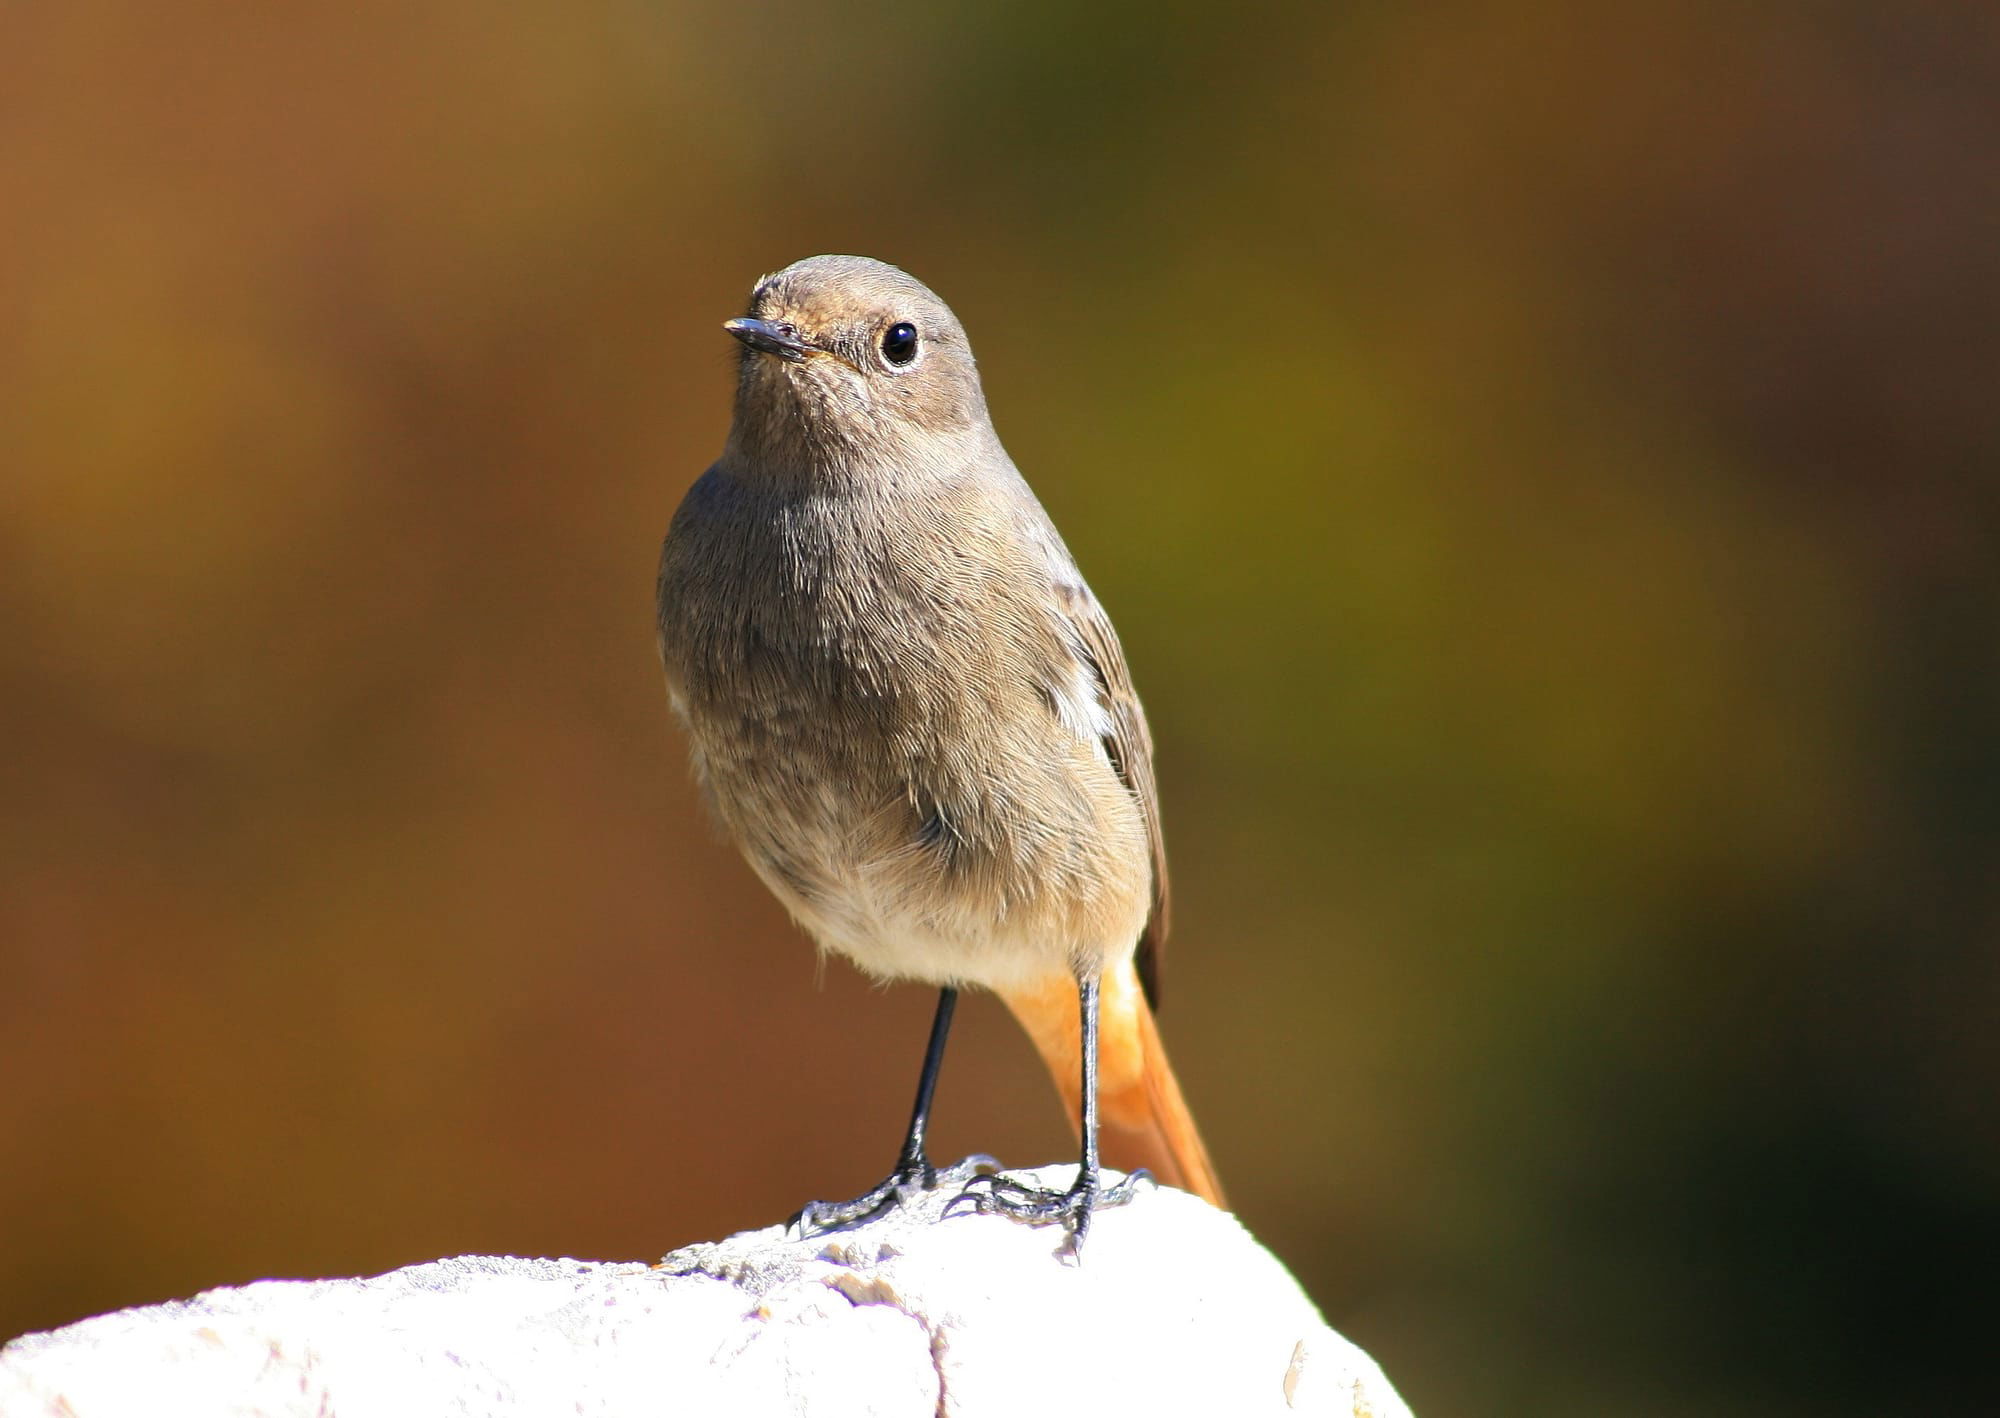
(1144, 1120)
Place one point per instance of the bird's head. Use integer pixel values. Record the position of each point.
(849, 359)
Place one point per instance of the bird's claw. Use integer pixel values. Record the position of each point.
(1039, 1206)
(902, 1186)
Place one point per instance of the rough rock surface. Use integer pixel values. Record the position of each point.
(933, 1309)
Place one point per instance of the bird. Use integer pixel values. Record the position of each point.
(911, 714)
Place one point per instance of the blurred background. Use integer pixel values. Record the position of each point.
(1541, 459)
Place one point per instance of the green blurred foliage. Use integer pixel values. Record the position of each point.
(1541, 459)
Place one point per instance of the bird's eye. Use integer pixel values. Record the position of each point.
(899, 343)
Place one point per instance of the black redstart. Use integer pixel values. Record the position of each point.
(914, 718)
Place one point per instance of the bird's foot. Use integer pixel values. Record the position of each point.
(910, 1180)
(1038, 1206)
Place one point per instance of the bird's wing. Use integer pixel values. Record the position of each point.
(1127, 743)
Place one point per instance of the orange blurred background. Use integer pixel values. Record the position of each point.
(1542, 462)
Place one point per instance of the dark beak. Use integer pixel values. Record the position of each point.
(770, 337)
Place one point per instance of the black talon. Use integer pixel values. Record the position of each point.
(897, 1189)
(913, 1173)
(1003, 1196)
(1038, 1206)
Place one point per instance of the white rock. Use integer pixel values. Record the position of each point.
(1172, 1309)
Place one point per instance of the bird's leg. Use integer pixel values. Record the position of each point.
(913, 1172)
(1074, 1207)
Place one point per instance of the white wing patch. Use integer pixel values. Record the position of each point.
(1079, 706)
